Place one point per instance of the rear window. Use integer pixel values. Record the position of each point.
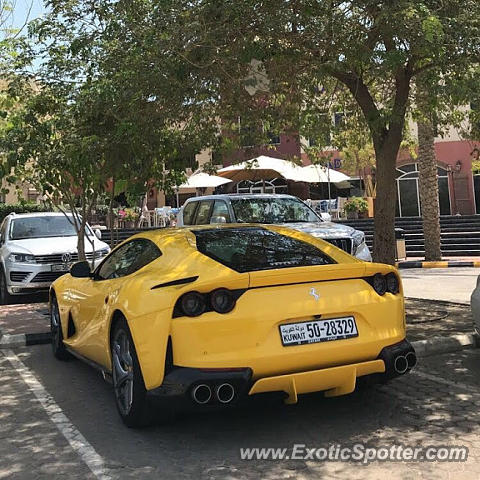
(252, 249)
(188, 211)
(203, 213)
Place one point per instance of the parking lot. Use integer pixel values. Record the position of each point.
(59, 418)
(429, 407)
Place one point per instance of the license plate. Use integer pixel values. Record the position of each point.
(318, 331)
(60, 268)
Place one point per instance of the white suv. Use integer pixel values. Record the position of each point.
(269, 208)
(36, 249)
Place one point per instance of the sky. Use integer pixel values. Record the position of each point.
(21, 11)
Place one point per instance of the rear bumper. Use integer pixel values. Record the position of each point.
(179, 385)
(333, 381)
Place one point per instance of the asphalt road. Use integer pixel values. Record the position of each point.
(448, 284)
(438, 405)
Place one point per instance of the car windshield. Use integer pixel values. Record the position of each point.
(272, 210)
(254, 248)
(41, 227)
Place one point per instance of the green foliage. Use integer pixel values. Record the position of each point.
(23, 207)
(356, 204)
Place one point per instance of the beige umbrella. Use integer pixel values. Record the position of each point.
(203, 180)
(321, 174)
(262, 167)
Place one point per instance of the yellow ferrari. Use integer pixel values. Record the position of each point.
(208, 316)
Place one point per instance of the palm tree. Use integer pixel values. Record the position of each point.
(428, 180)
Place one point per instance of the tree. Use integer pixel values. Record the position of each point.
(374, 48)
(427, 166)
(94, 111)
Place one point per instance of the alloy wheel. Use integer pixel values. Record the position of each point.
(55, 324)
(122, 371)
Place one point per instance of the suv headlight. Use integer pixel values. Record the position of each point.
(103, 252)
(358, 238)
(21, 258)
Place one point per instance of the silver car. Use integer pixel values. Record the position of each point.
(37, 248)
(269, 208)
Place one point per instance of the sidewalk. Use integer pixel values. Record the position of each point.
(25, 318)
(446, 262)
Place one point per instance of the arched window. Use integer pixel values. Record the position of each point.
(408, 194)
(277, 185)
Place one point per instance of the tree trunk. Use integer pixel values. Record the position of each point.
(81, 243)
(428, 184)
(428, 180)
(384, 234)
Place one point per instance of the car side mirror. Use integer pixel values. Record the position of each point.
(98, 233)
(80, 270)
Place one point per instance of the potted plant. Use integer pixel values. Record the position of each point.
(129, 216)
(355, 206)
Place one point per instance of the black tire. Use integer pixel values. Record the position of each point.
(58, 347)
(129, 388)
(5, 297)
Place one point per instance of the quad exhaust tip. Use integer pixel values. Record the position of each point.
(225, 393)
(411, 359)
(400, 364)
(202, 394)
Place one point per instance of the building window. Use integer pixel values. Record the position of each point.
(338, 119)
(277, 185)
(274, 139)
(408, 192)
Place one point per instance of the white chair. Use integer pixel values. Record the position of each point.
(339, 211)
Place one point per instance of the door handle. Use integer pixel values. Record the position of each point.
(106, 299)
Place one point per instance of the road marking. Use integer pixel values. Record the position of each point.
(76, 440)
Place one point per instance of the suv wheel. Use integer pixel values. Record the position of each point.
(5, 297)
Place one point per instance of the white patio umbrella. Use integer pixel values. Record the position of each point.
(321, 174)
(262, 167)
(200, 180)
(203, 180)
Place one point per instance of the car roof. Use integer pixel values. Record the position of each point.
(160, 233)
(37, 214)
(224, 196)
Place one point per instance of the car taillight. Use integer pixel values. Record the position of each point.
(222, 300)
(393, 285)
(192, 304)
(379, 284)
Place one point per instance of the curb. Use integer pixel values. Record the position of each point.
(451, 343)
(24, 339)
(445, 264)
